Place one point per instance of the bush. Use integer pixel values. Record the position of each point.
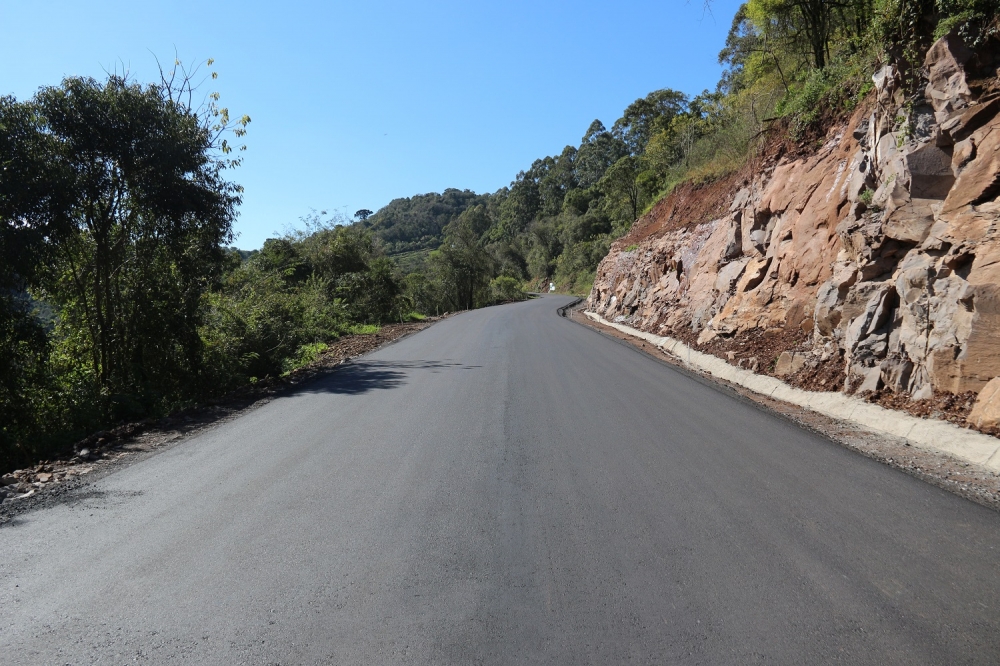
(974, 21)
(506, 289)
(306, 354)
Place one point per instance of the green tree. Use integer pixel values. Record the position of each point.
(462, 264)
(598, 150)
(520, 205)
(149, 211)
(622, 191)
(644, 117)
(31, 213)
(372, 293)
(417, 223)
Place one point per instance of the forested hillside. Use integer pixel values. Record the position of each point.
(117, 210)
(418, 222)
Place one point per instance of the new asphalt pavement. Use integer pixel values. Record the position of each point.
(504, 487)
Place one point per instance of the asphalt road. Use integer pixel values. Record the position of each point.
(505, 487)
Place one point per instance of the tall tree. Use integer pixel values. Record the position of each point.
(462, 263)
(599, 149)
(806, 25)
(621, 189)
(149, 212)
(522, 203)
(31, 213)
(645, 116)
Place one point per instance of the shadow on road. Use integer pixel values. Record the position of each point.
(362, 376)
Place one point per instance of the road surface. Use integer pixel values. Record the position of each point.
(505, 487)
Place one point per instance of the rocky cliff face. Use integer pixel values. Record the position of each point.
(878, 256)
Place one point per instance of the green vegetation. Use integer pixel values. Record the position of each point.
(417, 223)
(114, 211)
(119, 299)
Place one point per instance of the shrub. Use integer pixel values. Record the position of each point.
(506, 289)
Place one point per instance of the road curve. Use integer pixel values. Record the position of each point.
(505, 487)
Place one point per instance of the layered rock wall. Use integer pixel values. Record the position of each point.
(880, 252)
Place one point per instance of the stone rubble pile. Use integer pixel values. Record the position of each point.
(23, 483)
(883, 248)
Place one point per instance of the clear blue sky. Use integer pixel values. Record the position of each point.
(357, 103)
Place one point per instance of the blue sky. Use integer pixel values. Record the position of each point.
(355, 104)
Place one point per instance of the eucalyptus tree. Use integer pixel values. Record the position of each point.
(647, 115)
(598, 150)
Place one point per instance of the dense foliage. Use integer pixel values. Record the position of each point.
(417, 223)
(118, 296)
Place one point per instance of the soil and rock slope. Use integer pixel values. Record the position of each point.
(871, 265)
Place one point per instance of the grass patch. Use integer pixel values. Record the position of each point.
(305, 355)
(363, 329)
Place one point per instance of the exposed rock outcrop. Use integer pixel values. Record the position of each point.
(880, 252)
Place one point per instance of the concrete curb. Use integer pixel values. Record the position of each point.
(562, 310)
(968, 445)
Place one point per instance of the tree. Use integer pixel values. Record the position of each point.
(417, 223)
(748, 46)
(333, 252)
(643, 117)
(30, 214)
(599, 149)
(363, 214)
(371, 294)
(622, 190)
(462, 264)
(558, 178)
(148, 213)
(805, 24)
(521, 204)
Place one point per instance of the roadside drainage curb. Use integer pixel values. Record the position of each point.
(562, 310)
(968, 445)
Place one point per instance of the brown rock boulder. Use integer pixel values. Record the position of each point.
(912, 221)
(961, 125)
(789, 363)
(947, 89)
(979, 180)
(931, 176)
(986, 412)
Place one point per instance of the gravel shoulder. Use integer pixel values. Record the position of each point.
(973, 482)
(61, 480)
